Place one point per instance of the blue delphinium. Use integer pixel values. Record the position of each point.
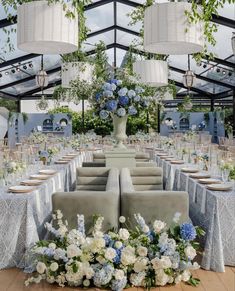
(188, 231)
(103, 114)
(117, 259)
(107, 239)
(122, 91)
(118, 285)
(123, 100)
(121, 112)
(111, 105)
(132, 110)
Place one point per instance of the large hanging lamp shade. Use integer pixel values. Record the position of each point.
(42, 79)
(45, 29)
(151, 72)
(167, 30)
(189, 79)
(73, 70)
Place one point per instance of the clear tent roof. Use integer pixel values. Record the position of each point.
(18, 69)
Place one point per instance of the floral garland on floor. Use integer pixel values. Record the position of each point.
(117, 260)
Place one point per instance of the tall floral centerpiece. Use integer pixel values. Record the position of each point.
(118, 99)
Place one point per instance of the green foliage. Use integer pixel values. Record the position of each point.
(8, 104)
(102, 127)
(101, 62)
(25, 117)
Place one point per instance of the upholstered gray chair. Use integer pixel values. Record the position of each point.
(98, 157)
(97, 193)
(141, 192)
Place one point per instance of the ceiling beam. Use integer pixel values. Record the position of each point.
(36, 90)
(8, 96)
(18, 60)
(222, 95)
(107, 29)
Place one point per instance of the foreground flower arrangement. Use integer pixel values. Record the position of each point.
(117, 260)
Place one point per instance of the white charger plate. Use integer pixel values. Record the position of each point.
(21, 189)
(200, 175)
(177, 162)
(31, 182)
(39, 177)
(189, 170)
(220, 187)
(47, 172)
(209, 181)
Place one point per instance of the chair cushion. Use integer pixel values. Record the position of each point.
(148, 187)
(146, 171)
(92, 180)
(91, 187)
(93, 171)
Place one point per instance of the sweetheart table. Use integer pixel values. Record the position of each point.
(212, 210)
(22, 216)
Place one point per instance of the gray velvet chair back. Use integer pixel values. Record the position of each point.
(146, 178)
(88, 203)
(98, 157)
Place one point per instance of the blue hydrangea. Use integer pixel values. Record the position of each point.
(103, 276)
(123, 100)
(111, 105)
(132, 110)
(103, 114)
(117, 259)
(107, 86)
(108, 93)
(139, 89)
(98, 96)
(121, 112)
(188, 231)
(113, 81)
(122, 91)
(131, 93)
(119, 285)
(119, 82)
(137, 98)
(114, 87)
(48, 252)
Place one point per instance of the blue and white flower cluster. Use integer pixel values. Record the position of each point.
(115, 97)
(147, 256)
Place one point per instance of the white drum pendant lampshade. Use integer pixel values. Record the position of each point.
(167, 30)
(151, 72)
(73, 70)
(44, 29)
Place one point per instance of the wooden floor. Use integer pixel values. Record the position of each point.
(13, 280)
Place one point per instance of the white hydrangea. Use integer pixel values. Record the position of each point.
(137, 279)
(97, 244)
(190, 252)
(140, 265)
(162, 263)
(178, 279)
(110, 254)
(41, 267)
(119, 274)
(73, 251)
(123, 234)
(158, 226)
(161, 277)
(101, 260)
(142, 251)
(185, 276)
(128, 256)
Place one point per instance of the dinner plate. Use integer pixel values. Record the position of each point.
(67, 158)
(72, 155)
(177, 162)
(162, 154)
(220, 187)
(190, 170)
(62, 162)
(39, 177)
(200, 175)
(20, 189)
(167, 157)
(31, 182)
(209, 181)
(47, 172)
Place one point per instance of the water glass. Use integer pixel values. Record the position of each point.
(225, 175)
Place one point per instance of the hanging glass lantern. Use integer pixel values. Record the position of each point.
(42, 104)
(189, 79)
(233, 42)
(42, 79)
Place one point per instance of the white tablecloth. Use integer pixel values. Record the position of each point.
(22, 216)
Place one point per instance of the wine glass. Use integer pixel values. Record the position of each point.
(225, 175)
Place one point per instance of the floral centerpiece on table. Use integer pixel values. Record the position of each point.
(118, 99)
(15, 166)
(147, 256)
(37, 138)
(47, 154)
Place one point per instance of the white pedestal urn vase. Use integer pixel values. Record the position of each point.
(119, 130)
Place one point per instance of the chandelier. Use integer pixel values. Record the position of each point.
(42, 77)
(189, 77)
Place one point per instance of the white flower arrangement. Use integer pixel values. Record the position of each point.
(118, 259)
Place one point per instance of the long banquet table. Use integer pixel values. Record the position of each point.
(22, 216)
(212, 210)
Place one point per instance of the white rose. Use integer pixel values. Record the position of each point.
(86, 283)
(110, 254)
(161, 278)
(140, 265)
(142, 251)
(128, 256)
(186, 275)
(178, 279)
(190, 252)
(119, 274)
(118, 244)
(52, 246)
(158, 225)
(166, 262)
(122, 219)
(123, 234)
(54, 266)
(97, 244)
(73, 251)
(145, 229)
(41, 267)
